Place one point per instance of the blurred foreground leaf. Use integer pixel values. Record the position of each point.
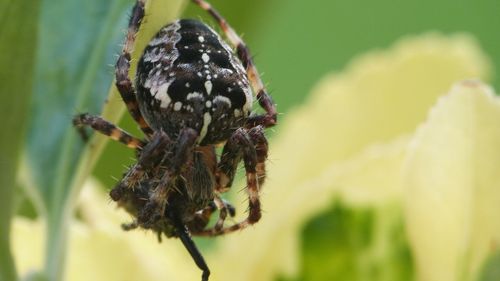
(78, 41)
(17, 50)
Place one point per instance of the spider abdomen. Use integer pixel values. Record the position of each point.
(189, 77)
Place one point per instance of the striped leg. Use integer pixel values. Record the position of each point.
(261, 148)
(202, 217)
(241, 145)
(224, 208)
(231, 157)
(106, 128)
(265, 101)
(122, 68)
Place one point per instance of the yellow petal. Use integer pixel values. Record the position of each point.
(453, 184)
(371, 178)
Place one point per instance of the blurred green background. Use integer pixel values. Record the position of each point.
(294, 43)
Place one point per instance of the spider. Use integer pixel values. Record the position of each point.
(192, 93)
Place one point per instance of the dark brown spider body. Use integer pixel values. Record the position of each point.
(189, 77)
(193, 191)
(191, 93)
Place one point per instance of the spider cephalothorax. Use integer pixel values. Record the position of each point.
(191, 93)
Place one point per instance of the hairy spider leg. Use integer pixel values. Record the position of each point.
(130, 226)
(223, 210)
(231, 157)
(106, 128)
(122, 69)
(185, 237)
(265, 101)
(240, 145)
(202, 218)
(149, 158)
(261, 148)
(183, 150)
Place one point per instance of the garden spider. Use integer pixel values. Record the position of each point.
(191, 94)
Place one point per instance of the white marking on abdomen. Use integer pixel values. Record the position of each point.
(237, 113)
(222, 99)
(207, 118)
(208, 86)
(193, 95)
(205, 57)
(248, 100)
(177, 106)
(161, 93)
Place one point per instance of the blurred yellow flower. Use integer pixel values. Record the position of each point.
(356, 140)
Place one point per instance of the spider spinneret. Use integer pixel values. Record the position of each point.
(191, 94)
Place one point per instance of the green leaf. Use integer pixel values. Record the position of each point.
(78, 41)
(18, 37)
